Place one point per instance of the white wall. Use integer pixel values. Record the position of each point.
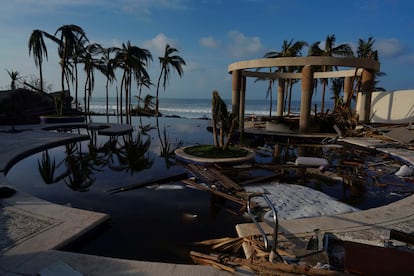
(393, 107)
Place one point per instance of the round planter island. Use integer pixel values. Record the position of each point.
(181, 155)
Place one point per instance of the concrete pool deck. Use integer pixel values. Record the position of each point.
(52, 226)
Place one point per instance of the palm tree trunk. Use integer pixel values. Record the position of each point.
(76, 86)
(120, 97)
(106, 94)
(323, 97)
(156, 96)
(60, 101)
(85, 104)
(290, 95)
(117, 101)
(127, 92)
(41, 77)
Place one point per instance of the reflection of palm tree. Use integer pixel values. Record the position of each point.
(329, 51)
(38, 47)
(81, 168)
(47, 168)
(133, 156)
(167, 151)
(166, 62)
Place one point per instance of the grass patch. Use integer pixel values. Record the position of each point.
(210, 151)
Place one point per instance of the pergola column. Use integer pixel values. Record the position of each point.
(348, 81)
(242, 103)
(235, 92)
(280, 97)
(367, 85)
(306, 99)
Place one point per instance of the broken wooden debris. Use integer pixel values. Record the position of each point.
(213, 176)
(229, 263)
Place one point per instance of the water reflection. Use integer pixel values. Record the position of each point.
(79, 166)
(167, 148)
(132, 156)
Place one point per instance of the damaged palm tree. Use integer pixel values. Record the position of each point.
(223, 120)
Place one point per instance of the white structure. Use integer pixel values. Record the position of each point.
(391, 107)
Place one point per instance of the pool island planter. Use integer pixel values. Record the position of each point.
(182, 156)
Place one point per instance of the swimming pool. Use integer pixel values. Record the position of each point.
(162, 222)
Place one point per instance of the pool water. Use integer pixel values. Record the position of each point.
(162, 222)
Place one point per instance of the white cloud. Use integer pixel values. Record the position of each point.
(210, 42)
(157, 44)
(390, 48)
(241, 45)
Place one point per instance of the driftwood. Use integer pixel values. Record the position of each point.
(168, 179)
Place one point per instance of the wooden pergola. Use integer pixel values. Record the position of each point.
(361, 67)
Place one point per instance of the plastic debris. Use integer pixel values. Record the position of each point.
(405, 171)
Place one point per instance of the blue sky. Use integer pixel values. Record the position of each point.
(210, 35)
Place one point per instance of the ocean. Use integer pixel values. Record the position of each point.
(200, 108)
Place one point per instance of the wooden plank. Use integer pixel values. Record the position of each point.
(225, 181)
(213, 176)
(200, 172)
